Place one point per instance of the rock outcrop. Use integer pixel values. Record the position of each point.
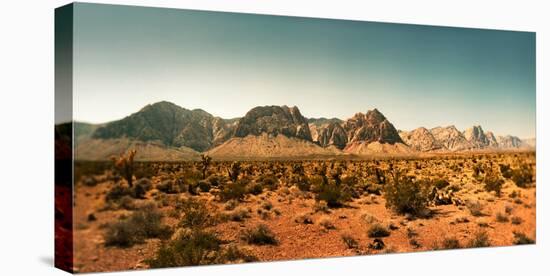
(274, 120)
(371, 127)
(450, 138)
(420, 139)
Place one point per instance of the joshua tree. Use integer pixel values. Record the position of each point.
(205, 163)
(125, 165)
(234, 171)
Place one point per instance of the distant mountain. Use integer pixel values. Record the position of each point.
(421, 139)
(371, 127)
(508, 142)
(476, 137)
(165, 131)
(451, 138)
(172, 125)
(274, 120)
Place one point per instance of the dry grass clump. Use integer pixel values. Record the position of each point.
(475, 208)
(378, 231)
(521, 238)
(260, 235)
(350, 242)
(326, 223)
(140, 225)
(481, 239)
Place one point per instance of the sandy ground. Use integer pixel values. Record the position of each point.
(298, 240)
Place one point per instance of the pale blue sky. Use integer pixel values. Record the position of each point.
(227, 63)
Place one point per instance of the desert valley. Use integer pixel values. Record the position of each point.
(167, 186)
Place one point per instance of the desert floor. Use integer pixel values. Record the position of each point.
(302, 225)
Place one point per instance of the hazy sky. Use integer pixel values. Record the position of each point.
(226, 63)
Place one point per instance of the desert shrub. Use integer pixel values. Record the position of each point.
(303, 219)
(516, 220)
(117, 192)
(440, 183)
(505, 170)
(204, 186)
(234, 190)
(121, 234)
(142, 224)
(493, 183)
(521, 238)
(254, 188)
(481, 239)
(142, 186)
(260, 235)
(523, 176)
(235, 255)
(269, 181)
(500, 217)
(89, 181)
(168, 187)
(405, 195)
(321, 206)
(214, 180)
(190, 248)
(475, 208)
(239, 214)
(230, 205)
(302, 182)
(267, 205)
(195, 214)
(326, 223)
(332, 194)
(144, 170)
(350, 242)
(450, 243)
(378, 231)
(126, 202)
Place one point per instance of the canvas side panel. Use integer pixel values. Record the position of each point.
(64, 138)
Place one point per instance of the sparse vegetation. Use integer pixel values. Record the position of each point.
(378, 231)
(521, 238)
(481, 239)
(405, 195)
(142, 224)
(260, 235)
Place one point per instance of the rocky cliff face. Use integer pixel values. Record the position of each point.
(332, 135)
(371, 127)
(476, 136)
(274, 120)
(420, 139)
(508, 142)
(170, 124)
(491, 139)
(450, 138)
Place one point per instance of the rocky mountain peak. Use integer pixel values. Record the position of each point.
(371, 127)
(420, 139)
(476, 137)
(274, 120)
(169, 124)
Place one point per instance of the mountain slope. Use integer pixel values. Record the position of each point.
(274, 120)
(265, 146)
(170, 124)
(420, 139)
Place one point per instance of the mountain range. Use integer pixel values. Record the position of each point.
(165, 131)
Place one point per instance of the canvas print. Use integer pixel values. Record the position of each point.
(188, 138)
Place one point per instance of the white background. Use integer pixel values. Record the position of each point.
(27, 118)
